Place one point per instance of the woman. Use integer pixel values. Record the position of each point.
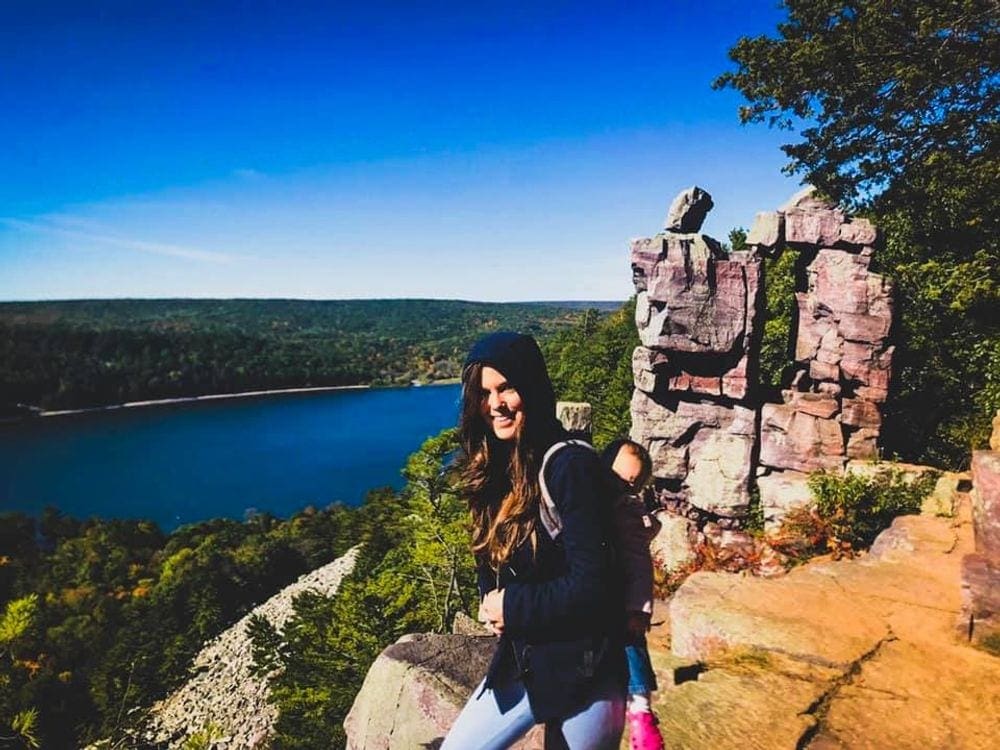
(553, 603)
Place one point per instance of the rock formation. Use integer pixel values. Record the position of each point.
(415, 689)
(695, 310)
(222, 694)
(831, 412)
(980, 616)
(695, 404)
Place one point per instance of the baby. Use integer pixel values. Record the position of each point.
(635, 528)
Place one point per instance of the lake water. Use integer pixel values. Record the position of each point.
(189, 462)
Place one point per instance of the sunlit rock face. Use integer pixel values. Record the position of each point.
(696, 308)
(698, 314)
(980, 616)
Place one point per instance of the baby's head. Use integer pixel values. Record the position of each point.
(630, 462)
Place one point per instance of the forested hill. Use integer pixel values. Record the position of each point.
(75, 354)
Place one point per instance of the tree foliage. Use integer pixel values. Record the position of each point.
(413, 574)
(880, 87)
(897, 106)
(592, 362)
(94, 352)
(99, 618)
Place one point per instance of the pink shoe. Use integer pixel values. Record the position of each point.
(643, 732)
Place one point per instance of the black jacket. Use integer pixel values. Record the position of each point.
(563, 614)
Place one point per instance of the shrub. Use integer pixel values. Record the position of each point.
(850, 510)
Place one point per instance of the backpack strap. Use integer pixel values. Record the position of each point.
(548, 511)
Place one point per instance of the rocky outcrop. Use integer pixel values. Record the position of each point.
(695, 405)
(415, 690)
(831, 412)
(980, 616)
(696, 307)
(223, 695)
(848, 654)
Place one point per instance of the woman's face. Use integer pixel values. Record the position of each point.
(501, 405)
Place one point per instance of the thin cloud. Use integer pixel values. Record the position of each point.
(67, 229)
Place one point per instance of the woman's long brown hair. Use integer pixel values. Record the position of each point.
(500, 478)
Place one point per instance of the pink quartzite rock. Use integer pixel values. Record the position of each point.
(816, 404)
(706, 446)
(780, 492)
(986, 503)
(691, 301)
(858, 232)
(767, 230)
(688, 210)
(415, 689)
(860, 413)
(980, 614)
(810, 220)
(790, 439)
(863, 444)
(653, 372)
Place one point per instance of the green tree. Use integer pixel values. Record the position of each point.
(897, 106)
(414, 572)
(881, 88)
(592, 362)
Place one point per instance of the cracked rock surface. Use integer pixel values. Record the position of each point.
(849, 654)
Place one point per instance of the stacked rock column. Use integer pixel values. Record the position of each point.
(980, 618)
(696, 306)
(831, 411)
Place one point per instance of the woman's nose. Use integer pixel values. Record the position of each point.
(494, 401)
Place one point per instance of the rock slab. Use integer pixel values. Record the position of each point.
(415, 689)
(849, 654)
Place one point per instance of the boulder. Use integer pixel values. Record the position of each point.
(688, 210)
(986, 502)
(671, 548)
(767, 230)
(858, 233)
(790, 439)
(980, 615)
(780, 492)
(575, 416)
(415, 689)
(995, 435)
(807, 199)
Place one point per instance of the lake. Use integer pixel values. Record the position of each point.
(189, 462)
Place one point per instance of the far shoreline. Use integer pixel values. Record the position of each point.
(34, 411)
(196, 399)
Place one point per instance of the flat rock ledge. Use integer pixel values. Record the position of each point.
(222, 694)
(856, 653)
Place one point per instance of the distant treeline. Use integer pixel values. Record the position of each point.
(96, 352)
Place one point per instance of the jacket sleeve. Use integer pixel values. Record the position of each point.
(567, 602)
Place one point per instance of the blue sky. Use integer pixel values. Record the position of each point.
(329, 150)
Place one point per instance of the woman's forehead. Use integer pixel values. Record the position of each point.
(492, 377)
